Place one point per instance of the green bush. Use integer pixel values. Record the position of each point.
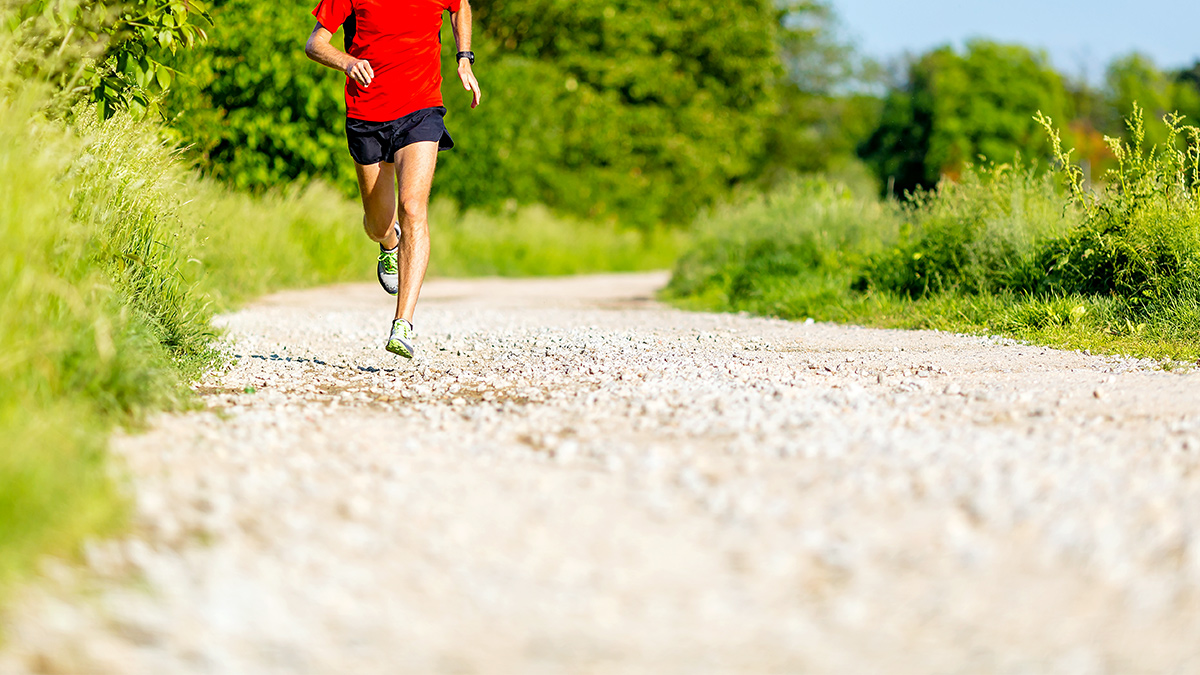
(109, 53)
(76, 351)
(113, 255)
(978, 235)
(258, 114)
(786, 253)
(1139, 240)
(1006, 250)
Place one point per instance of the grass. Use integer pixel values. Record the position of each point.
(1006, 250)
(70, 355)
(533, 241)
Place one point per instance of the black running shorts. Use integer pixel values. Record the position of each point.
(373, 142)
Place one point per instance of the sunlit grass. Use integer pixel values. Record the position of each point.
(533, 241)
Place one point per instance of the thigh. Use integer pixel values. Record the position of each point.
(415, 164)
(377, 185)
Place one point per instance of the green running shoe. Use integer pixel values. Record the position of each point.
(387, 269)
(401, 341)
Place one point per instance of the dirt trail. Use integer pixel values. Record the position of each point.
(571, 477)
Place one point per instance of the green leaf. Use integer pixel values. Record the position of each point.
(140, 74)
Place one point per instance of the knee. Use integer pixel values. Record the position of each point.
(415, 211)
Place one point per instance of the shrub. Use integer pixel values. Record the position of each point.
(106, 283)
(1005, 249)
(75, 352)
(111, 53)
(976, 235)
(257, 112)
(809, 235)
(1140, 237)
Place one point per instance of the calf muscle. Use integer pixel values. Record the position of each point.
(377, 185)
(415, 164)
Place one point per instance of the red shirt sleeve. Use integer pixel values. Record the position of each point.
(454, 5)
(331, 13)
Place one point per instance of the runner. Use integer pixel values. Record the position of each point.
(394, 125)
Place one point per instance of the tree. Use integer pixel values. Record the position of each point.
(256, 111)
(645, 111)
(955, 108)
(825, 107)
(1187, 93)
(1135, 80)
(117, 51)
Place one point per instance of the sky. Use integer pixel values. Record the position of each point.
(1080, 37)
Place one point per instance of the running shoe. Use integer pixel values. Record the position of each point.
(388, 267)
(401, 341)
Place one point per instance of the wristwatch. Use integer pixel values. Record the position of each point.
(470, 56)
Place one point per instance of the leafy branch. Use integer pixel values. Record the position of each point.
(124, 46)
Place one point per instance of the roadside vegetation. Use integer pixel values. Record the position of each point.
(1005, 250)
(115, 257)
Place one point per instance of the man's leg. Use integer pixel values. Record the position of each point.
(415, 164)
(377, 185)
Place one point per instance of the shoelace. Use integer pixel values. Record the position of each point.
(388, 258)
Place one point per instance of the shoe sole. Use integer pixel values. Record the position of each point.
(398, 348)
(385, 288)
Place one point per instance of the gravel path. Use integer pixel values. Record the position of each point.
(571, 477)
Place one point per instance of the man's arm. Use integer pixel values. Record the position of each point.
(460, 21)
(318, 49)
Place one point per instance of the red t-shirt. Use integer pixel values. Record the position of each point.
(401, 39)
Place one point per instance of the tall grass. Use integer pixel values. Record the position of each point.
(978, 235)
(791, 253)
(245, 245)
(533, 241)
(71, 352)
(113, 256)
(1005, 250)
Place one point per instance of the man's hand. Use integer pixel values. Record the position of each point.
(360, 71)
(469, 81)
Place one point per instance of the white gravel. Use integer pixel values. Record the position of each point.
(571, 477)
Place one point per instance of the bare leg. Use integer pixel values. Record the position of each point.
(415, 164)
(377, 185)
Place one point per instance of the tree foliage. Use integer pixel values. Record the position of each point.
(115, 53)
(648, 110)
(1134, 82)
(825, 106)
(955, 107)
(258, 113)
(638, 110)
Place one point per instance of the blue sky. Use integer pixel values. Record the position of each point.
(1079, 36)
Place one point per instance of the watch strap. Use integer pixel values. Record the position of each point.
(470, 56)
